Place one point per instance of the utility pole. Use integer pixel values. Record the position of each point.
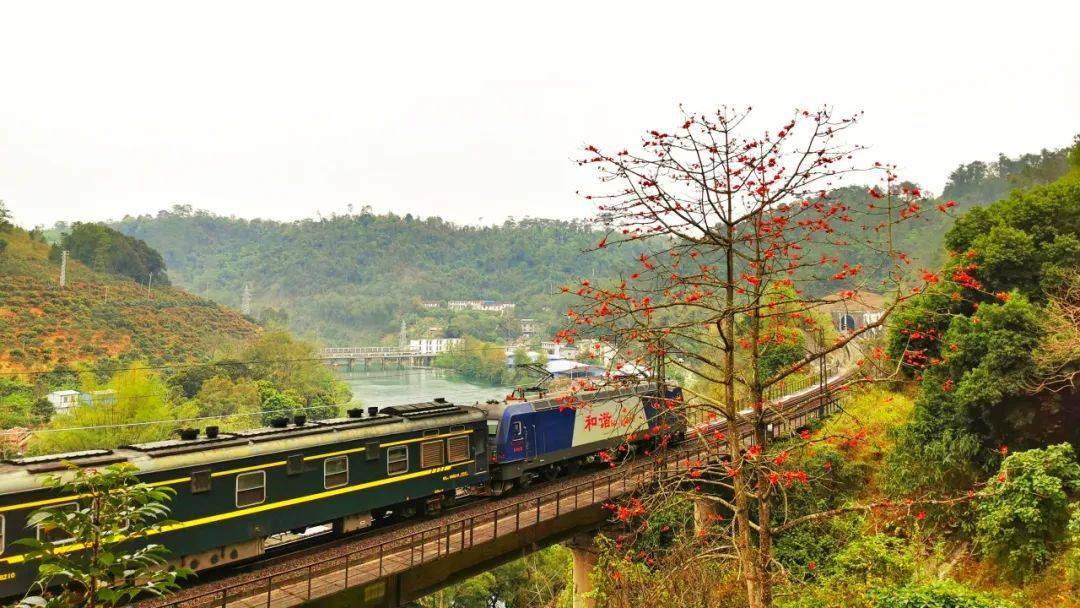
(149, 282)
(403, 339)
(245, 300)
(63, 269)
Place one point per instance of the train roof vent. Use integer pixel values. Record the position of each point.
(168, 444)
(421, 410)
(31, 460)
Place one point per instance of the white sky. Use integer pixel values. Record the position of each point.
(470, 110)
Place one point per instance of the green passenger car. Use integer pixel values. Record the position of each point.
(237, 492)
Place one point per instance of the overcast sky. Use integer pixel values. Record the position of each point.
(470, 110)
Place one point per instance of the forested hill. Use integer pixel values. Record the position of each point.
(99, 315)
(355, 277)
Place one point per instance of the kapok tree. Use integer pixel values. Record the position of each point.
(746, 253)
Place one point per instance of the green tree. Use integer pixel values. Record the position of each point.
(477, 360)
(5, 216)
(475, 592)
(105, 249)
(121, 411)
(1023, 514)
(222, 396)
(975, 401)
(293, 365)
(101, 567)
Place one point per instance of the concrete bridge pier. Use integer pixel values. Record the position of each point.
(584, 551)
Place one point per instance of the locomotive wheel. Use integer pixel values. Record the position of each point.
(573, 466)
(551, 472)
(524, 481)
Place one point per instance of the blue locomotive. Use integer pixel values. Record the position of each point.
(551, 436)
(239, 493)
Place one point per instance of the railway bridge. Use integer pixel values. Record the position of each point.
(396, 567)
(365, 356)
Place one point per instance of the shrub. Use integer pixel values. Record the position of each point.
(875, 559)
(1023, 515)
(935, 595)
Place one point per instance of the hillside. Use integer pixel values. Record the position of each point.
(356, 277)
(98, 315)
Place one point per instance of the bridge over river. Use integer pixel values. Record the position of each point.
(391, 568)
(348, 356)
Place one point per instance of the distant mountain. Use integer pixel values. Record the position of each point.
(352, 279)
(99, 315)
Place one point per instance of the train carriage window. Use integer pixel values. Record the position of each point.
(250, 488)
(335, 472)
(431, 432)
(52, 534)
(294, 464)
(200, 481)
(458, 448)
(431, 454)
(397, 460)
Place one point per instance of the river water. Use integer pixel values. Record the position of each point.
(383, 387)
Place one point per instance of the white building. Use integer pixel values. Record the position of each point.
(556, 350)
(432, 346)
(528, 327)
(63, 401)
(484, 305)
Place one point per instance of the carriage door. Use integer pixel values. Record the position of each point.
(517, 439)
(530, 441)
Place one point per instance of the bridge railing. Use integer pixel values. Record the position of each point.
(336, 573)
(368, 350)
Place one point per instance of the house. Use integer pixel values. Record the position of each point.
(484, 305)
(556, 350)
(63, 401)
(528, 328)
(432, 346)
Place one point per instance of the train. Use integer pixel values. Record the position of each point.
(240, 494)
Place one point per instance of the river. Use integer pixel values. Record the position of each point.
(383, 387)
